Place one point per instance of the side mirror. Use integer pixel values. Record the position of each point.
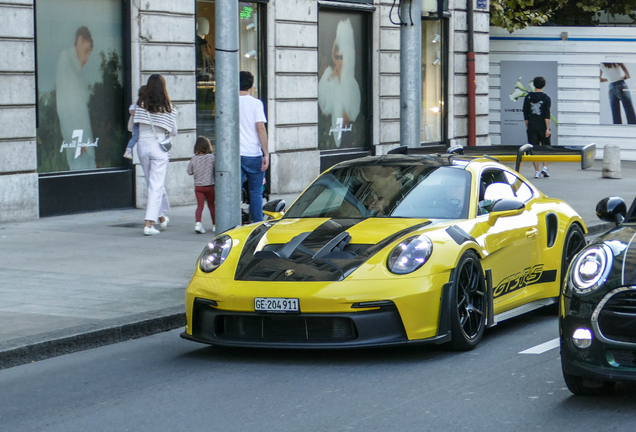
(505, 207)
(612, 209)
(275, 208)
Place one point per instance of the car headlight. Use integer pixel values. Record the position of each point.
(215, 253)
(590, 269)
(410, 255)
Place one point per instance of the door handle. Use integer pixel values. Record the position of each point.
(531, 232)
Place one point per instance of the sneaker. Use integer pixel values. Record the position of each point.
(537, 174)
(199, 228)
(545, 172)
(150, 231)
(163, 225)
(128, 153)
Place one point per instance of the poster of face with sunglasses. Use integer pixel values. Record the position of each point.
(343, 70)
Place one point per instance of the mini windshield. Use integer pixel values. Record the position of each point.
(410, 191)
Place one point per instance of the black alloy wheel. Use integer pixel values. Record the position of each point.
(572, 245)
(468, 303)
(581, 387)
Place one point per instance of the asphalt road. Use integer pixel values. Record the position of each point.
(163, 383)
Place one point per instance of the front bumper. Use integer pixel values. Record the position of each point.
(379, 327)
(605, 359)
(417, 299)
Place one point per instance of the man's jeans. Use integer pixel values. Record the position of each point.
(251, 169)
(619, 92)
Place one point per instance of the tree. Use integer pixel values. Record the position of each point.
(518, 14)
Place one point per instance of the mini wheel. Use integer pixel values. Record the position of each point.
(581, 387)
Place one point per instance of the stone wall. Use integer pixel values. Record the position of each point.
(162, 41)
(457, 101)
(162, 33)
(456, 98)
(389, 78)
(18, 157)
(293, 93)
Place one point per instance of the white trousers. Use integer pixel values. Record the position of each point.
(154, 162)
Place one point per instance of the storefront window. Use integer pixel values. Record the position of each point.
(343, 67)
(81, 97)
(432, 78)
(249, 58)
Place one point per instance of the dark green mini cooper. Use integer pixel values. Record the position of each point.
(598, 306)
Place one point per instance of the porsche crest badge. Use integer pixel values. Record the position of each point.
(289, 272)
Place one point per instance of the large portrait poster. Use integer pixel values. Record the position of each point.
(617, 91)
(81, 112)
(343, 71)
(515, 83)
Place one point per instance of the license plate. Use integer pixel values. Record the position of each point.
(280, 305)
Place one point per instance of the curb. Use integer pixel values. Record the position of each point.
(40, 347)
(598, 228)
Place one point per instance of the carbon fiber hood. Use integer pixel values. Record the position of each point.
(323, 254)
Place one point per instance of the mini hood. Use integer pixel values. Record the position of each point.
(317, 249)
(622, 241)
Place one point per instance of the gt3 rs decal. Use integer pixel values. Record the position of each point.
(529, 276)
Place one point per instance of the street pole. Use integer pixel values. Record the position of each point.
(228, 159)
(472, 86)
(410, 72)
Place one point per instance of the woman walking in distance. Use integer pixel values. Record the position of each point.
(157, 117)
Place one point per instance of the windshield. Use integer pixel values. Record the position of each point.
(410, 191)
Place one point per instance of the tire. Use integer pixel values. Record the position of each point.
(468, 303)
(576, 385)
(572, 245)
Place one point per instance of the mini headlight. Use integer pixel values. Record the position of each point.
(590, 269)
(215, 253)
(410, 255)
(582, 338)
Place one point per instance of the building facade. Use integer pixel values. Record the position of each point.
(328, 72)
(589, 74)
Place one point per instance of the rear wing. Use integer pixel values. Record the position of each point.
(502, 153)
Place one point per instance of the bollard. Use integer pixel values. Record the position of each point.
(612, 162)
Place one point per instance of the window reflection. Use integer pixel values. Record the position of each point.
(432, 73)
(420, 191)
(249, 54)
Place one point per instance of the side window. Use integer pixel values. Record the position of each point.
(489, 177)
(522, 190)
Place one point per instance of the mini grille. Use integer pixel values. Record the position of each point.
(285, 329)
(624, 357)
(622, 303)
(617, 320)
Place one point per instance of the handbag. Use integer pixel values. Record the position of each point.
(166, 142)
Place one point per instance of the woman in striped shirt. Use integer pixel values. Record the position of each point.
(201, 166)
(157, 117)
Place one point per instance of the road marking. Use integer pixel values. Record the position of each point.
(544, 347)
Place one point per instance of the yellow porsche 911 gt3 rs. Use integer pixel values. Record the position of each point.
(387, 250)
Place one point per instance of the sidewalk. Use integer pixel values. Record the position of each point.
(75, 282)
